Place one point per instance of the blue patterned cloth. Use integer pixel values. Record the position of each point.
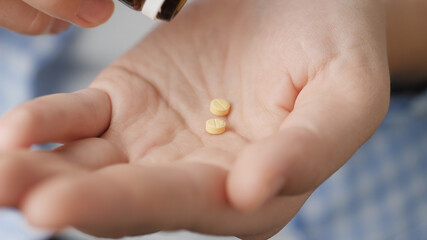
(380, 194)
(14, 227)
(21, 59)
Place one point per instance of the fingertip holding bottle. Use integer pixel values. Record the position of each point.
(58, 26)
(94, 12)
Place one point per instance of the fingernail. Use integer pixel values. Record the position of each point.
(94, 11)
(59, 26)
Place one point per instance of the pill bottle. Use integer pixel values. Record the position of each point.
(156, 9)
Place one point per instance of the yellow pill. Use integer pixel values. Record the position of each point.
(220, 107)
(215, 126)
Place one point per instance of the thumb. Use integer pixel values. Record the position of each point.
(317, 138)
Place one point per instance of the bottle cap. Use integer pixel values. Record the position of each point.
(152, 8)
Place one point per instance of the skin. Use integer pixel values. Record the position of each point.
(308, 82)
(407, 41)
(52, 16)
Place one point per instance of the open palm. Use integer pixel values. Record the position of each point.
(308, 84)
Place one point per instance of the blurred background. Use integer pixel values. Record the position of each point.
(380, 194)
(88, 51)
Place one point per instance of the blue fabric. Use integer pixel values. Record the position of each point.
(381, 193)
(14, 227)
(21, 58)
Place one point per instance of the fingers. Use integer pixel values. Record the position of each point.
(20, 171)
(292, 162)
(56, 118)
(20, 17)
(117, 201)
(47, 16)
(84, 13)
(317, 138)
(125, 200)
(92, 153)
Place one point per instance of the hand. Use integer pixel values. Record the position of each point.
(52, 16)
(308, 82)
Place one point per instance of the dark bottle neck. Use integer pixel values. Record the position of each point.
(134, 4)
(170, 9)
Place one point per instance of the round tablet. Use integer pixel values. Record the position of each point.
(220, 107)
(215, 126)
